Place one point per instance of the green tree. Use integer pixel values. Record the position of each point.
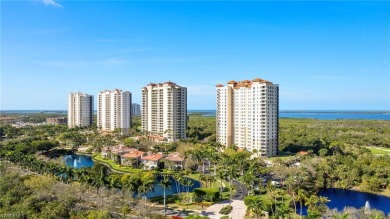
(256, 206)
(165, 184)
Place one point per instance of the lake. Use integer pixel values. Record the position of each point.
(308, 114)
(340, 198)
(79, 161)
(174, 188)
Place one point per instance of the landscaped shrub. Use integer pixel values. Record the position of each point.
(207, 194)
(224, 217)
(226, 210)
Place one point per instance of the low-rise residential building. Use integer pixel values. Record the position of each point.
(112, 152)
(152, 161)
(132, 158)
(175, 161)
(106, 152)
(157, 138)
(57, 120)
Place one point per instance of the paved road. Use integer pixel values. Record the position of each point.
(238, 212)
(239, 208)
(241, 190)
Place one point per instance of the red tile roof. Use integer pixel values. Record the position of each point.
(156, 137)
(133, 154)
(232, 82)
(153, 157)
(302, 153)
(174, 157)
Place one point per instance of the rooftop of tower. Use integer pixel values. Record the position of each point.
(170, 83)
(245, 83)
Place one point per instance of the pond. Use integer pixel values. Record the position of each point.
(175, 188)
(79, 161)
(340, 198)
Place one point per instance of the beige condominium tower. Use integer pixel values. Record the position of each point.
(114, 110)
(247, 115)
(164, 110)
(80, 110)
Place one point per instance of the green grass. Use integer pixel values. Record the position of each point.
(216, 185)
(379, 150)
(113, 165)
(283, 156)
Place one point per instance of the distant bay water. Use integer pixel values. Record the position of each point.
(308, 114)
(318, 114)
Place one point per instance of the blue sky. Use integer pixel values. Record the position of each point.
(323, 55)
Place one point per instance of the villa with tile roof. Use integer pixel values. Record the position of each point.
(132, 158)
(152, 161)
(175, 160)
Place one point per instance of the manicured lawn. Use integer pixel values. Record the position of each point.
(114, 165)
(216, 184)
(379, 150)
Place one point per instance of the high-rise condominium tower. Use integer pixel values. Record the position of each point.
(135, 109)
(247, 115)
(164, 110)
(114, 110)
(80, 109)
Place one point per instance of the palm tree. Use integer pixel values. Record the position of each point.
(130, 183)
(231, 172)
(210, 179)
(99, 179)
(147, 183)
(341, 216)
(213, 156)
(81, 174)
(178, 178)
(249, 180)
(271, 195)
(166, 184)
(311, 201)
(202, 177)
(113, 182)
(282, 211)
(301, 197)
(70, 174)
(256, 206)
(221, 175)
(187, 182)
(199, 156)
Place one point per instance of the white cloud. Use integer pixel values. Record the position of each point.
(52, 3)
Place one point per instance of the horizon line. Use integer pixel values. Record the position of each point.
(215, 110)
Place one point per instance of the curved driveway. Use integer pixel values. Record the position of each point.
(239, 208)
(241, 191)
